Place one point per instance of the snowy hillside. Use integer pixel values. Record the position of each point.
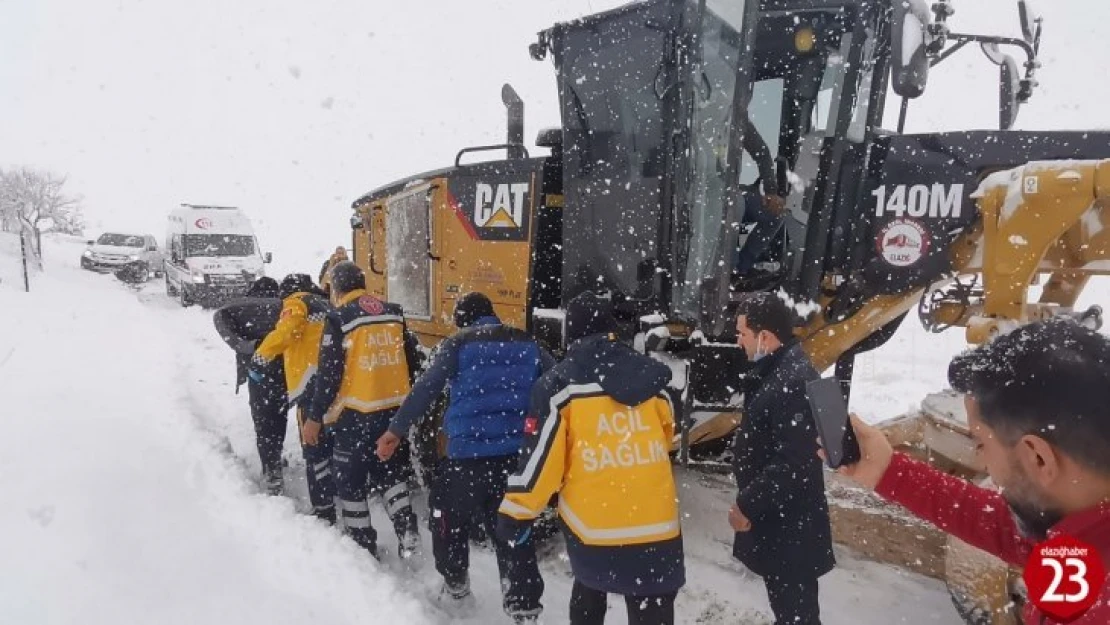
(893, 379)
(128, 476)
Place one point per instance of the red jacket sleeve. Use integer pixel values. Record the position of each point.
(975, 515)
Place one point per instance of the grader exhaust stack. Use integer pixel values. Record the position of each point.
(514, 108)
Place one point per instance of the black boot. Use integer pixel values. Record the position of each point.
(325, 514)
(273, 483)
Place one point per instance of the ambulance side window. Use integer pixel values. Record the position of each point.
(175, 248)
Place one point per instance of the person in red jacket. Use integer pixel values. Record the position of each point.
(1038, 407)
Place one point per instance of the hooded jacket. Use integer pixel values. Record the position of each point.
(599, 434)
(242, 324)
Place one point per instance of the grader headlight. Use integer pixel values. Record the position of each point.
(805, 40)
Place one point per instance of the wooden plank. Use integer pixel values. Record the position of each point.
(881, 531)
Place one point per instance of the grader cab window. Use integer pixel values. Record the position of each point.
(408, 228)
(765, 111)
(652, 162)
(611, 77)
(716, 92)
(794, 90)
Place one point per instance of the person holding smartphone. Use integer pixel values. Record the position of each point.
(1037, 401)
(781, 516)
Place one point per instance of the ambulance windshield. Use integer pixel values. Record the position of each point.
(219, 245)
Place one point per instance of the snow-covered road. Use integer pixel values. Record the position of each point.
(127, 475)
(119, 505)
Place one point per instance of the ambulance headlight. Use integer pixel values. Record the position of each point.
(134, 257)
(198, 278)
(87, 254)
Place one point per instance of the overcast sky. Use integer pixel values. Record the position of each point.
(292, 109)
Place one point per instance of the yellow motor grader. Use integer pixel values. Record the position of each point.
(641, 196)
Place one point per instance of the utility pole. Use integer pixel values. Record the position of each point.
(23, 255)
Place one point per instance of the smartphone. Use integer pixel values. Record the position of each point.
(830, 413)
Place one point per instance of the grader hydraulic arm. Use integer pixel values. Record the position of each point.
(1044, 217)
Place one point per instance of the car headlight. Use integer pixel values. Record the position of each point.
(87, 254)
(134, 257)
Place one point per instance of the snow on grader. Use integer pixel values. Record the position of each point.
(640, 197)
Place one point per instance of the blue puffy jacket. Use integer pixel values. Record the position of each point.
(490, 369)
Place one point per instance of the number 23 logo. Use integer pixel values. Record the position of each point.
(1064, 576)
(1079, 577)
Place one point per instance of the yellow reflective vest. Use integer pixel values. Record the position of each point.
(608, 461)
(296, 337)
(367, 359)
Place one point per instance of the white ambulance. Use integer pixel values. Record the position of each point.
(211, 253)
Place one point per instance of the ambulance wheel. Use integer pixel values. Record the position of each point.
(171, 291)
(183, 297)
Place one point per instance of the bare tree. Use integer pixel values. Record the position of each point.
(35, 199)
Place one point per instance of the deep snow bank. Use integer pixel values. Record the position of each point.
(118, 507)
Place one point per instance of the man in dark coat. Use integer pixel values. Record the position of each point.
(781, 516)
(242, 324)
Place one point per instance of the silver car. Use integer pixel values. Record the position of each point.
(114, 251)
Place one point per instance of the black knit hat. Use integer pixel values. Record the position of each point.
(472, 307)
(264, 287)
(589, 314)
(297, 283)
(346, 277)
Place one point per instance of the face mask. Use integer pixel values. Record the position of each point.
(759, 353)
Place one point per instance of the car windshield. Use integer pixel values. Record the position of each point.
(219, 245)
(120, 240)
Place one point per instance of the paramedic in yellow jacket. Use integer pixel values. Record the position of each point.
(368, 361)
(599, 435)
(296, 338)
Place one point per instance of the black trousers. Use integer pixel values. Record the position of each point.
(270, 413)
(794, 601)
(588, 606)
(470, 491)
(358, 472)
(321, 484)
